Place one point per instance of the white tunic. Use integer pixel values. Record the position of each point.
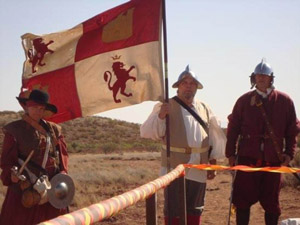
(155, 128)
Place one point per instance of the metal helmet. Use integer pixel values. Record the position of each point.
(262, 68)
(184, 74)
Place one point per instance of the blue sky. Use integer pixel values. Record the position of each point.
(222, 41)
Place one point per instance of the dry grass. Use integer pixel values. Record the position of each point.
(101, 176)
(97, 175)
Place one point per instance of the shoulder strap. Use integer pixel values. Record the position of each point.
(259, 104)
(192, 112)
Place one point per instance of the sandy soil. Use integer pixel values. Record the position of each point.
(216, 206)
(217, 195)
(217, 203)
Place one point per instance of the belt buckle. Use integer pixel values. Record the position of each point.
(188, 150)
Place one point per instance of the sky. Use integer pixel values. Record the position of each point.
(222, 41)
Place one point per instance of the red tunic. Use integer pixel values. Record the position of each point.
(247, 123)
(13, 212)
(246, 120)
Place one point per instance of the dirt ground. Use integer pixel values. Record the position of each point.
(216, 206)
(216, 203)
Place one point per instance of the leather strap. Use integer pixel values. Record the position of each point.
(196, 116)
(272, 135)
(34, 124)
(192, 112)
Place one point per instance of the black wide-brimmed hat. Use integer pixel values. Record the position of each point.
(38, 97)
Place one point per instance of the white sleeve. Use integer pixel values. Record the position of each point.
(154, 127)
(217, 139)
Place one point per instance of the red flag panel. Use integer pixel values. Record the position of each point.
(61, 87)
(132, 23)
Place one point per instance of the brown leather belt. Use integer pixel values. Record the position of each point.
(187, 150)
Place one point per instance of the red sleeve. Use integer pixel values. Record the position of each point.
(291, 131)
(233, 130)
(63, 153)
(9, 158)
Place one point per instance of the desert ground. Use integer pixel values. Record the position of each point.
(217, 195)
(100, 177)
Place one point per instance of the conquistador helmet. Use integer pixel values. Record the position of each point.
(184, 74)
(262, 68)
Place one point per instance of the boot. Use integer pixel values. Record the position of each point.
(271, 218)
(174, 220)
(193, 220)
(242, 216)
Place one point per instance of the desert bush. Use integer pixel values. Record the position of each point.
(153, 147)
(109, 147)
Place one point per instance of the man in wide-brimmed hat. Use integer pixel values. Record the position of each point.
(191, 139)
(36, 96)
(38, 144)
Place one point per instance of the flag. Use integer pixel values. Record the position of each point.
(110, 61)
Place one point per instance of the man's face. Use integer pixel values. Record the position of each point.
(187, 89)
(36, 112)
(263, 82)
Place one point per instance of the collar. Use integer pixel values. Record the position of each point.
(263, 94)
(34, 124)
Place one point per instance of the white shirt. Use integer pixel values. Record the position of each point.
(155, 128)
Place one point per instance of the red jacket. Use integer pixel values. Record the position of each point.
(18, 136)
(247, 123)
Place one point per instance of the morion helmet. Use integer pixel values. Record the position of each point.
(262, 68)
(184, 74)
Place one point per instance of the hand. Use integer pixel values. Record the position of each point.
(14, 174)
(211, 174)
(164, 110)
(286, 161)
(231, 160)
(14, 178)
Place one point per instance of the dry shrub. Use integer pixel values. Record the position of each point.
(290, 179)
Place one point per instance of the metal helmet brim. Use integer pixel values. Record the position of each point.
(187, 72)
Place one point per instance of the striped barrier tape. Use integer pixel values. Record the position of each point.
(282, 169)
(107, 208)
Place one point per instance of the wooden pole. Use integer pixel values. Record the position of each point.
(151, 210)
(166, 99)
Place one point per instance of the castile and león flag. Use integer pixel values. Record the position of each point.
(110, 61)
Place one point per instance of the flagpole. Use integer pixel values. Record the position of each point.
(166, 82)
(166, 101)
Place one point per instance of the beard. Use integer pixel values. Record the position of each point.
(189, 96)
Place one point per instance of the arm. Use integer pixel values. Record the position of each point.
(9, 158)
(63, 154)
(233, 132)
(154, 127)
(290, 135)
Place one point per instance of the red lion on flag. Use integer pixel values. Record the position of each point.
(36, 55)
(122, 77)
